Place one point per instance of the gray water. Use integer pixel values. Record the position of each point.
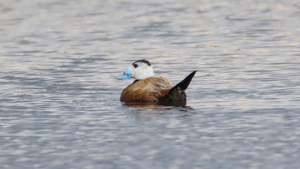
(59, 100)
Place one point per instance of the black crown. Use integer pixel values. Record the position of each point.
(141, 61)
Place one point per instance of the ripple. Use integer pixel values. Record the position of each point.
(60, 103)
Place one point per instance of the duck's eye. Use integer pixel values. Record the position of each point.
(135, 65)
(124, 73)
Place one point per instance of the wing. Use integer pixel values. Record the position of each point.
(146, 90)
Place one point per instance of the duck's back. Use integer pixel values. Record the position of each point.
(146, 90)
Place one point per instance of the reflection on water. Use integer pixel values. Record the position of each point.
(156, 104)
(59, 100)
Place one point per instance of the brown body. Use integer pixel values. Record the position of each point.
(157, 89)
(151, 89)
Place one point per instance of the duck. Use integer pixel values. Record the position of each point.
(148, 87)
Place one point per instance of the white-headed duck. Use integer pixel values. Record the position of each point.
(150, 88)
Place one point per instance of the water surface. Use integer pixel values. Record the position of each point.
(60, 103)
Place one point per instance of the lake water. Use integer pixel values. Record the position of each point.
(59, 100)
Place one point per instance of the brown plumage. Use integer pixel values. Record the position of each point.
(150, 89)
(156, 89)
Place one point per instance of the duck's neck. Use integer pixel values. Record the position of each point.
(135, 81)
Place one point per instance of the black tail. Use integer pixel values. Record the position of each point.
(184, 83)
(177, 92)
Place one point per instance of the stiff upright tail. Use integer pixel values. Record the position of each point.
(177, 92)
(185, 82)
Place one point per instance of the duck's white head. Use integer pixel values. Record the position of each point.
(140, 69)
